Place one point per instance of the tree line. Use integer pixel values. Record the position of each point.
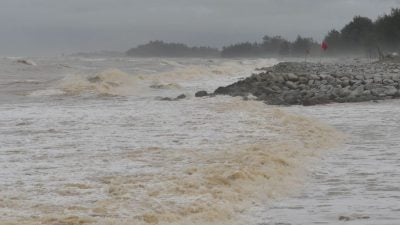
(359, 37)
(272, 46)
(162, 49)
(362, 35)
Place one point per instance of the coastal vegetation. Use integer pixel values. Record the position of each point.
(272, 46)
(163, 49)
(361, 36)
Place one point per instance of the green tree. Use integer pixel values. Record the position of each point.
(245, 49)
(272, 45)
(358, 35)
(388, 30)
(334, 41)
(302, 46)
(284, 48)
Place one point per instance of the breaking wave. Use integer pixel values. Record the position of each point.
(208, 186)
(169, 86)
(113, 82)
(109, 82)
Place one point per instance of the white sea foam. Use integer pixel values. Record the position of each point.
(115, 82)
(134, 160)
(193, 162)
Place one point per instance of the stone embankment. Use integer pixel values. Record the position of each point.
(292, 83)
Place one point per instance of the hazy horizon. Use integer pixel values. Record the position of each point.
(45, 27)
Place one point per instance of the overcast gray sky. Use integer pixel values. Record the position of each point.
(46, 27)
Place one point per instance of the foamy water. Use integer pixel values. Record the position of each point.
(86, 141)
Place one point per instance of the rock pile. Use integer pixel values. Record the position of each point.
(291, 83)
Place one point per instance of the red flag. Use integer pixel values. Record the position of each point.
(324, 46)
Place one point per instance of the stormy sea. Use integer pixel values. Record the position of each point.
(107, 141)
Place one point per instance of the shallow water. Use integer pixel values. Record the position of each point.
(89, 141)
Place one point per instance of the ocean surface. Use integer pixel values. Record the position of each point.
(90, 141)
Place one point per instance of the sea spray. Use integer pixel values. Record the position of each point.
(109, 82)
(204, 186)
(115, 82)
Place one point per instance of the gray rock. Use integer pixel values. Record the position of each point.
(396, 77)
(390, 90)
(303, 87)
(368, 81)
(357, 91)
(387, 76)
(201, 94)
(359, 77)
(378, 91)
(314, 77)
(303, 80)
(292, 77)
(179, 97)
(325, 88)
(355, 82)
(291, 85)
(276, 88)
(272, 77)
(353, 217)
(344, 92)
(372, 86)
(182, 96)
(292, 97)
(366, 92)
(377, 79)
(345, 81)
(263, 90)
(164, 99)
(258, 77)
(388, 82)
(308, 84)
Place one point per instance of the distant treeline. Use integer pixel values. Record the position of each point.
(362, 35)
(272, 46)
(162, 49)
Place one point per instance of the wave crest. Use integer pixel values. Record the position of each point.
(110, 82)
(207, 186)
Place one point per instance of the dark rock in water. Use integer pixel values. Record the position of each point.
(292, 83)
(201, 94)
(353, 217)
(182, 96)
(94, 79)
(26, 62)
(164, 98)
(344, 218)
(179, 97)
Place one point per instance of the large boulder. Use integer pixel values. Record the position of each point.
(201, 94)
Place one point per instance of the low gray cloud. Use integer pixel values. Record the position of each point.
(55, 26)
